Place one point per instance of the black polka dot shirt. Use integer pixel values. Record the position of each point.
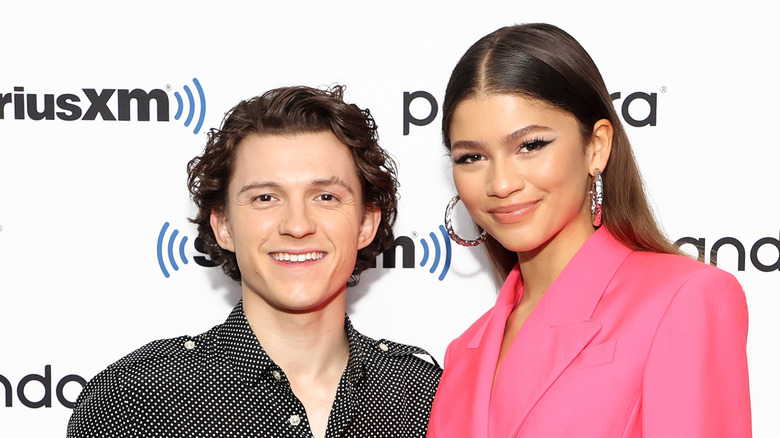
(223, 384)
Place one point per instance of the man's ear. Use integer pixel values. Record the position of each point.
(220, 225)
(600, 146)
(369, 227)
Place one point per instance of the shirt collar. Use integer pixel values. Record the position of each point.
(245, 354)
(241, 347)
(359, 348)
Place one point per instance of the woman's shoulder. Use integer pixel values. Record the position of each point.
(672, 265)
(677, 273)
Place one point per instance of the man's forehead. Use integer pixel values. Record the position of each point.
(313, 159)
(282, 145)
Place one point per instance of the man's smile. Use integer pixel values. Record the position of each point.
(297, 258)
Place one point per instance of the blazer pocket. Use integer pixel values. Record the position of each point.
(594, 355)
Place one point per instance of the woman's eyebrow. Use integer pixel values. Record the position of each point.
(522, 132)
(467, 144)
(511, 138)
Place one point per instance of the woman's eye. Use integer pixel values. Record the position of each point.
(533, 145)
(468, 158)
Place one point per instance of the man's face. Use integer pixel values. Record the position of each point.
(295, 219)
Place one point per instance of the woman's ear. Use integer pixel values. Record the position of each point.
(600, 145)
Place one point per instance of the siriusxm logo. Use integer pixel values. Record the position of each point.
(191, 102)
(108, 104)
(434, 253)
(437, 252)
(172, 251)
(168, 251)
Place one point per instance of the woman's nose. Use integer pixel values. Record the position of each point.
(504, 178)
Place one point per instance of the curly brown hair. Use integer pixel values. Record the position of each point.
(290, 111)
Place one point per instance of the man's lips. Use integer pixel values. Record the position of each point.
(297, 257)
(513, 213)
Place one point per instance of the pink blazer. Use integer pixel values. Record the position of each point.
(623, 344)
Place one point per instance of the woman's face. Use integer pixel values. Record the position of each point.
(522, 170)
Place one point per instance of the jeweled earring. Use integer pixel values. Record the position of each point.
(596, 198)
(448, 225)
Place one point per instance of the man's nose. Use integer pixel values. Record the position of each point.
(297, 220)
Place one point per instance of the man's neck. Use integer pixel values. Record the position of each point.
(310, 347)
(302, 344)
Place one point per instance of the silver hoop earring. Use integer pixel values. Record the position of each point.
(597, 198)
(448, 225)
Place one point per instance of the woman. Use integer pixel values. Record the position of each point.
(601, 329)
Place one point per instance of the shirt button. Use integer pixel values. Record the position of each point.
(189, 345)
(295, 420)
(277, 375)
(383, 346)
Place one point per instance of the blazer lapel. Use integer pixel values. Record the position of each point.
(538, 355)
(554, 334)
(476, 367)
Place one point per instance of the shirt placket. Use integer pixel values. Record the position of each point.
(289, 410)
(343, 408)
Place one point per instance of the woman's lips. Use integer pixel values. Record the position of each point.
(510, 214)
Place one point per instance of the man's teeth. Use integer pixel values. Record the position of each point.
(286, 257)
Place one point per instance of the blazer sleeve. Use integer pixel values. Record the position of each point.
(696, 378)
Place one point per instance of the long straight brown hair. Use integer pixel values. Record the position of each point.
(542, 62)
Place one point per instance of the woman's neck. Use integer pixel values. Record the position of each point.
(541, 266)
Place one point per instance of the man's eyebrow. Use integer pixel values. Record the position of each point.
(511, 138)
(334, 180)
(260, 185)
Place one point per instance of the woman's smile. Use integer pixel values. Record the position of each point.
(513, 213)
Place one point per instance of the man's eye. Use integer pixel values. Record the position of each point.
(264, 198)
(326, 197)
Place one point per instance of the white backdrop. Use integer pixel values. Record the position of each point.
(83, 202)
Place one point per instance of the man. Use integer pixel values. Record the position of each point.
(295, 199)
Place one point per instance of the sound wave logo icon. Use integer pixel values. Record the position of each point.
(191, 102)
(170, 250)
(437, 252)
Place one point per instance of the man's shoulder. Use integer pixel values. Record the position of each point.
(160, 360)
(181, 348)
(395, 357)
(102, 408)
(396, 379)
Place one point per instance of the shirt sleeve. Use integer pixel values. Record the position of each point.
(696, 377)
(101, 409)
